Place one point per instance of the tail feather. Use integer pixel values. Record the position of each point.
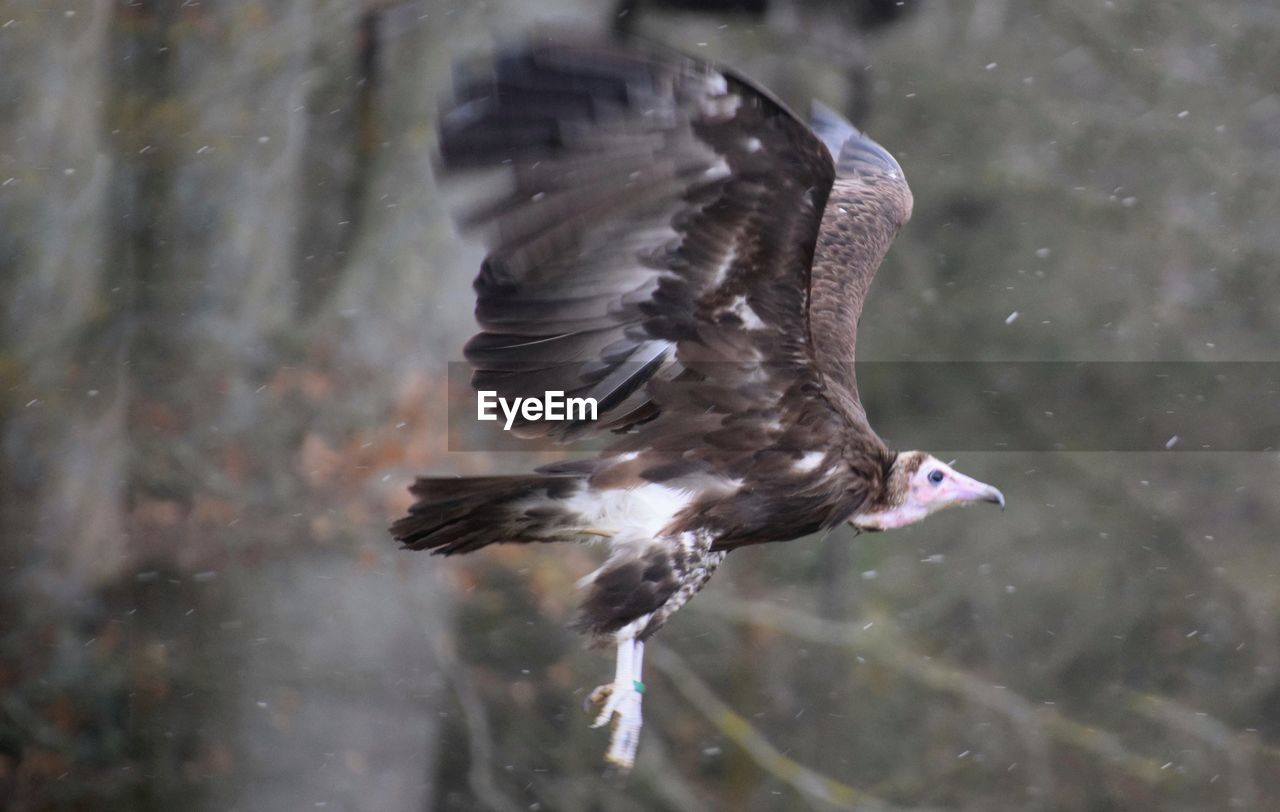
(461, 515)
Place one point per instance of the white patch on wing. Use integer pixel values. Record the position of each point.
(722, 271)
(752, 144)
(718, 170)
(742, 310)
(654, 236)
(809, 462)
(721, 106)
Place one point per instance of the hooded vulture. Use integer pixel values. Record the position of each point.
(674, 242)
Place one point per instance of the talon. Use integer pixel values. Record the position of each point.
(625, 737)
(609, 699)
(603, 718)
(598, 695)
(621, 701)
(600, 698)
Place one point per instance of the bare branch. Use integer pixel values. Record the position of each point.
(479, 739)
(1238, 748)
(879, 638)
(811, 784)
(656, 767)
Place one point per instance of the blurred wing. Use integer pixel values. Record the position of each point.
(658, 230)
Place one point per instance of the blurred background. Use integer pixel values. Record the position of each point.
(230, 292)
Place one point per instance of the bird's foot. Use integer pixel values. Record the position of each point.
(620, 704)
(599, 698)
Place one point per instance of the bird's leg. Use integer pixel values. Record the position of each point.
(626, 728)
(607, 696)
(621, 700)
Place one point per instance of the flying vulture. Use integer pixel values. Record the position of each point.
(673, 241)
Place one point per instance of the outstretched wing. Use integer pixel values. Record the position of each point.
(655, 245)
(869, 202)
(646, 189)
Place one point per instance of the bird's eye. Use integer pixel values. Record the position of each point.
(935, 476)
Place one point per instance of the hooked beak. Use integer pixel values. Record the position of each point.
(968, 490)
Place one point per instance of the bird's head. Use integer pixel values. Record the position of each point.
(917, 485)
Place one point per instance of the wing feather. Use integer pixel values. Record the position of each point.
(678, 243)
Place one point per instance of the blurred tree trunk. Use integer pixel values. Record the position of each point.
(63, 394)
(335, 693)
(184, 183)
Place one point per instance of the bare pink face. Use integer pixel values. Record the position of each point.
(934, 485)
